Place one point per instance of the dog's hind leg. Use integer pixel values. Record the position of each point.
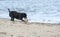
(12, 19)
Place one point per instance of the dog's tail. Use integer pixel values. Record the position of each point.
(9, 10)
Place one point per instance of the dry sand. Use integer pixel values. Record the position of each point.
(32, 29)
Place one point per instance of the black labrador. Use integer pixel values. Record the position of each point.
(17, 15)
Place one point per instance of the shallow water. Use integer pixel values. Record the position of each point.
(47, 11)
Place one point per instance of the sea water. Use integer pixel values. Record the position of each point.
(47, 11)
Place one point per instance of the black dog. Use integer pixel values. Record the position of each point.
(15, 14)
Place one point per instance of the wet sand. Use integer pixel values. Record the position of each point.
(30, 29)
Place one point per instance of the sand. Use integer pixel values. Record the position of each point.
(30, 29)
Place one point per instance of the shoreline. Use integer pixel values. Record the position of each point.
(30, 22)
(31, 29)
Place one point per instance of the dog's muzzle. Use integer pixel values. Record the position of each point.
(25, 19)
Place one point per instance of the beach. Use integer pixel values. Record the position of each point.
(30, 29)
